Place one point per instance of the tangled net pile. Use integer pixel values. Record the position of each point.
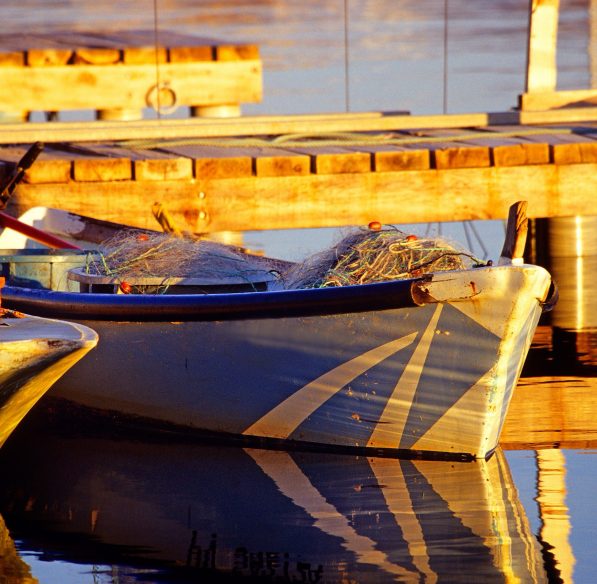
(132, 255)
(363, 256)
(367, 256)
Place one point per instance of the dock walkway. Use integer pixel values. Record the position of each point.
(312, 171)
(120, 73)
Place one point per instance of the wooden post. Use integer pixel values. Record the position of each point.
(119, 114)
(216, 111)
(541, 51)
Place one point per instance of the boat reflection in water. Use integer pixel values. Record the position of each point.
(203, 512)
(13, 570)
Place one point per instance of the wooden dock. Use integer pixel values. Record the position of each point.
(117, 74)
(312, 171)
(276, 172)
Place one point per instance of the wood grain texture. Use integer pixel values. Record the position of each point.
(318, 200)
(128, 86)
(273, 125)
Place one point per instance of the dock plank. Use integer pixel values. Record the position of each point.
(51, 166)
(210, 161)
(564, 148)
(147, 164)
(103, 170)
(9, 58)
(505, 148)
(450, 154)
(336, 159)
(276, 125)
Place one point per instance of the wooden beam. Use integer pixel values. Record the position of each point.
(170, 129)
(542, 41)
(128, 86)
(321, 200)
(537, 101)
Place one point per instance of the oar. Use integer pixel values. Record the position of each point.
(34, 233)
(25, 163)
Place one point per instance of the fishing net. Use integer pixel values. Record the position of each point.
(363, 256)
(366, 256)
(130, 255)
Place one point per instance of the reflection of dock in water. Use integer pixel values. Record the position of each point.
(553, 511)
(555, 401)
(552, 412)
(260, 514)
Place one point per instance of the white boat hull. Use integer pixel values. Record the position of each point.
(434, 377)
(34, 354)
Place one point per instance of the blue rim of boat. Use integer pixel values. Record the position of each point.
(205, 307)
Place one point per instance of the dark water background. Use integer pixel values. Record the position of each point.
(86, 509)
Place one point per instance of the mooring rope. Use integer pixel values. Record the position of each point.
(308, 140)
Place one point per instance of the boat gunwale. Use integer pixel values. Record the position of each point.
(210, 307)
(395, 294)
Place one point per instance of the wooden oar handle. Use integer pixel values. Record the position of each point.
(516, 232)
(28, 159)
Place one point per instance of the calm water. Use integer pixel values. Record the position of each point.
(81, 508)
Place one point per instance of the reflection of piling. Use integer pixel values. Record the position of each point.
(567, 247)
(555, 519)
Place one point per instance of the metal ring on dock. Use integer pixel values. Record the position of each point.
(157, 102)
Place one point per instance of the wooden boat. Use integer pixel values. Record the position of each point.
(417, 367)
(211, 513)
(34, 353)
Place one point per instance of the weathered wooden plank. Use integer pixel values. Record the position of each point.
(147, 164)
(236, 52)
(274, 162)
(336, 160)
(565, 146)
(47, 57)
(545, 100)
(191, 54)
(575, 153)
(259, 161)
(506, 148)
(163, 169)
(91, 87)
(324, 200)
(215, 163)
(50, 166)
(459, 156)
(96, 56)
(389, 157)
(102, 170)
(451, 154)
(10, 58)
(387, 160)
(273, 125)
(144, 55)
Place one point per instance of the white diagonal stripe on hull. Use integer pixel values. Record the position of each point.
(281, 421)
(389, 428)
